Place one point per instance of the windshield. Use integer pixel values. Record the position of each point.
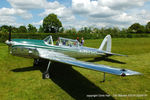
(48, 40)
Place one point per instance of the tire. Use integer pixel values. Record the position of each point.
(46, 75)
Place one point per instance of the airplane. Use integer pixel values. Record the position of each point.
(65, 51)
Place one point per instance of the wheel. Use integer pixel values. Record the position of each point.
(46, 75)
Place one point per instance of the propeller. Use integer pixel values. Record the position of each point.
(9, 33)
(9, 39)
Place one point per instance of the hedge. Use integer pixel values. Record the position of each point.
(4, 37)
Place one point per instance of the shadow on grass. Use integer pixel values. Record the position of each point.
(31, 68)
(71, 81)
(106, 59)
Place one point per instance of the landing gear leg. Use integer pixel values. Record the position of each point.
(103, 78)
(46, 75)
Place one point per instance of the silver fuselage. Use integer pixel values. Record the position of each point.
(28, 48)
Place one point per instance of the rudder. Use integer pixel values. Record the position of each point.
(106, 44)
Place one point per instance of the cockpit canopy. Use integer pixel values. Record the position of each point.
(62, 42)
(67, 42)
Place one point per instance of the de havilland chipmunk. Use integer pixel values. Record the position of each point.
(65, 51)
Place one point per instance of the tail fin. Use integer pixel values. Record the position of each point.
(106, 44)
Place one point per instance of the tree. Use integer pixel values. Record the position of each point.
(15, 30)
(124, 31)
(102, 30)
(108, 30)
(71, 30)
(51, 24)
(61, 30)
(22, 29)
(31, 29)
(95, 30)
(136, 28)
(41, 29)
(4, 29)
(148, 27)
(85, 30)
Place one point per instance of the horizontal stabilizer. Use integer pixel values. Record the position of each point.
(109, 53)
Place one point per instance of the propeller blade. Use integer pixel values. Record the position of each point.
(9, 33)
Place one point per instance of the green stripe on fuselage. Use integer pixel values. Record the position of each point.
(41, 44)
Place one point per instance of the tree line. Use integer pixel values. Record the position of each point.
(51, 24)
(21, 29)
(135, 28)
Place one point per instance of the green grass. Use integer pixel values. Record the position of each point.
(20, 81)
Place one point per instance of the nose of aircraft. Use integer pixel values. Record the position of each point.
(8, 42)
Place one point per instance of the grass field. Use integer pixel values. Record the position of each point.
(19, 80)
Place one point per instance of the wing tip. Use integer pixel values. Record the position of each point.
(126, 72)
(130, 74)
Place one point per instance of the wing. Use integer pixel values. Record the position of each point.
(59, 57)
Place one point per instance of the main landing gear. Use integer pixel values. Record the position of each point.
(46, 74)
(40, 63)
